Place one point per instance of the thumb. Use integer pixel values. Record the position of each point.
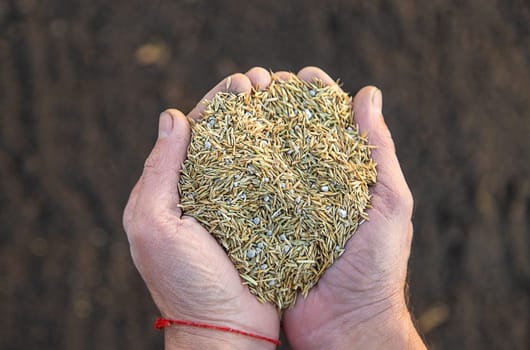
(391, 194)
(160, 177)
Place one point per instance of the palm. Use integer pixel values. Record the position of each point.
(363, 276)
(370, 276)
(187, 272)
(193, 277)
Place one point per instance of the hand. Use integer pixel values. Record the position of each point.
(360, 301)
(189, 275)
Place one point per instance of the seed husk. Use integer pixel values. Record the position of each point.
(280, 178)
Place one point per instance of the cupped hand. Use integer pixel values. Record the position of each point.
(189, 275)
(360, 301)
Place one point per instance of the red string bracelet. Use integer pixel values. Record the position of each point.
(161, 323)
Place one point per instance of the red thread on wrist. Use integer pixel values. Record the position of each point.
(162, 323)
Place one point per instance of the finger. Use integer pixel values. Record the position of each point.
(160, 178)
(283, 75)
(128, 212)
(259, 77)
(390, 194)
(311, 74)
(236, 83)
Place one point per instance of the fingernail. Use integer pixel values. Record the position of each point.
(377, 100)
(165, 125)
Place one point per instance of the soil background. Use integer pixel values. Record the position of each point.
(82, 83)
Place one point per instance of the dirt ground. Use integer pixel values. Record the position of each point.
(81, 86)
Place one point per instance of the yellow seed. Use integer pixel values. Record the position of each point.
(281, 179)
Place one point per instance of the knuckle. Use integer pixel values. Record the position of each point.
(410, 235)
(152, 160)
(128, 211)
(406, 201)
(402, 203)
(155, 159)
(126, 218)
(149, 221)
(383, 140)
(144, 228)
(394, 202)
(150, 225)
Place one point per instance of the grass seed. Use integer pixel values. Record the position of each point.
(280, 178)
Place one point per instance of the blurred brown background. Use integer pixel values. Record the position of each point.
(82, 83)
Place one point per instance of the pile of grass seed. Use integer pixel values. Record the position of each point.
(280, 177)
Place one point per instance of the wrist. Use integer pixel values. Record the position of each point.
(386, 331)
(383, 326)
(177, 338)
(205, 336)
(224, 329)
